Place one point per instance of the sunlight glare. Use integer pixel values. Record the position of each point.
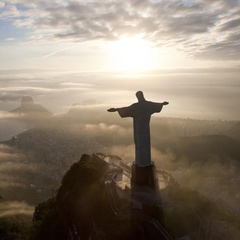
(131, 54)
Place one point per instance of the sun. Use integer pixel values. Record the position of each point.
(131, 54)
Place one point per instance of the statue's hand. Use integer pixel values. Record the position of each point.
(112, 110)
(165, 103)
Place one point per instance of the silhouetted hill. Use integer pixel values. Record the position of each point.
(90, 114)
(234, 131)
(81, 210)
(28, 107)
(26, 116)
(38, 158)
(95, 114)
(202, 148)
(81, 206)
(209, 164)
(54, 145)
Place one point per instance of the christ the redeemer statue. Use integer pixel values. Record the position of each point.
(141, 113)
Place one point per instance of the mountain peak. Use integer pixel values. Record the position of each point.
(29, 107)
(27, 100)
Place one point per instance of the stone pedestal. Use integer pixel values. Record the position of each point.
(144, 177)
(145, 191)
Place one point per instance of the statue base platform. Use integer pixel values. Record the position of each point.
(144, 176)
(145, 193)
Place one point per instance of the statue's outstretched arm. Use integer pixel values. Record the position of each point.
(112, 110)
(165, 103)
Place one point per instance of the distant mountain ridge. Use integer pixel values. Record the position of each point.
(29, 107)
(234, 131)
(22, 118)
(200, 148)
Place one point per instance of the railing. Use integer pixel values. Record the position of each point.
(110, 184)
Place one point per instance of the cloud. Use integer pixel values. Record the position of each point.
(10, 11)
(228, 50)
(55, 52)
(16, 93)
(8, 208)
(9, 39)
(77, 84)
(221, 3)
(14, 167)
(127, 152)
(102, 129)
(9, 115)
(7, 97)
(2, 4)
(182, 23)
(42, 85)
(216, 179)
(229, 25)
(195, 93)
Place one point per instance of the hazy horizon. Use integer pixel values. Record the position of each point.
(66, 52)
(192, 93)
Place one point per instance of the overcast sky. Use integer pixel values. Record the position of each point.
(64, 52)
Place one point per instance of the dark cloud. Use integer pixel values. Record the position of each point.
(190, 24)
(225, 50)
(235, 23)
(221, 3)
(226, 46)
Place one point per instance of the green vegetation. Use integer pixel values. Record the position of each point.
(13, 228)
(46, 223)
(82, 201)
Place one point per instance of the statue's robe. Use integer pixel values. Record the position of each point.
(141, 113)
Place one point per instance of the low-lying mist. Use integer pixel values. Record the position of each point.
(13, 208)
(199, 154)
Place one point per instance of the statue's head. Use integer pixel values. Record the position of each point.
(140, 97)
